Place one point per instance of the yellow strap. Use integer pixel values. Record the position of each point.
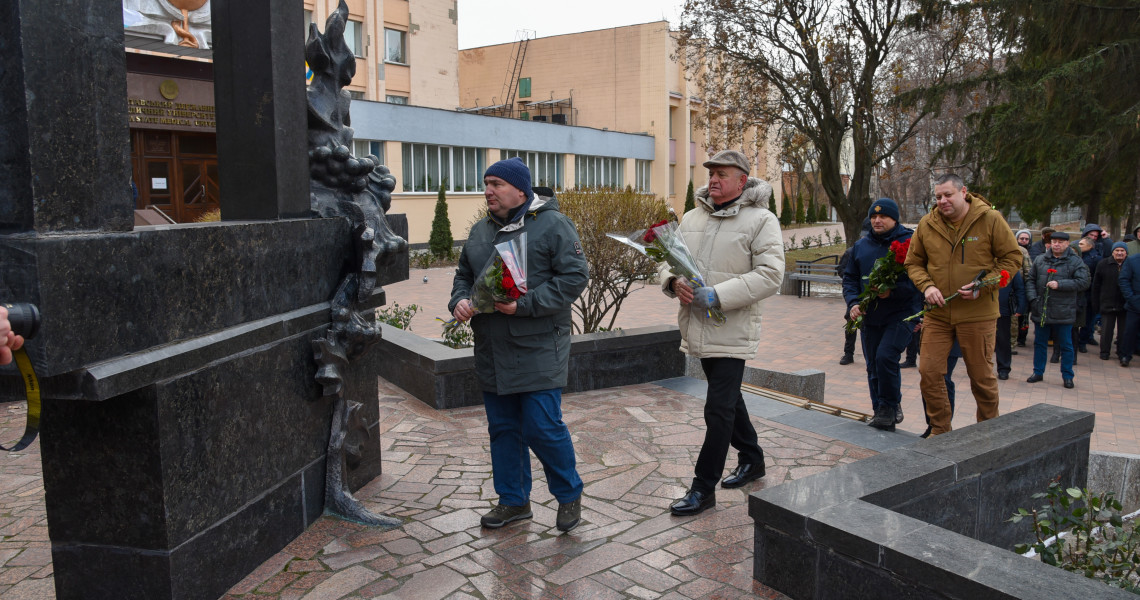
(32, 390)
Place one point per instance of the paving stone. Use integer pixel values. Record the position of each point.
(432, 584)
(342, 584)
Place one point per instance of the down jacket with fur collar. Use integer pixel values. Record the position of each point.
(740, 252)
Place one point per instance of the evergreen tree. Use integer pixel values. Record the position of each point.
(811, 210)
(772, 202)
(690, 199)
(786, 213)
(800, 218)
(1065, 132)
(440, 242)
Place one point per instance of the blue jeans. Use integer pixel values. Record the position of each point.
(883, 346)
(1062, 334)
(531, 420)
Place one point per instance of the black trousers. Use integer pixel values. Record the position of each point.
(726, 423)
(1002, 350)
(1111, 323)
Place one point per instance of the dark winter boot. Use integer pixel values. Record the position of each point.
(884, 418)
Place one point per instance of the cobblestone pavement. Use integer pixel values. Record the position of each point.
(636, 447)
(807, 333)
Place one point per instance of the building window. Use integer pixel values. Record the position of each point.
(672, 180)
(426, 165)
(361, 148)
(390, 99)
(643, 168)
(598, 171)
(355, 95)
(308, 21)
(524, 87)
(395, 46)
(545, 167)
(354, 37)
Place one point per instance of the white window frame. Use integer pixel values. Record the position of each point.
(545, 167)
(644, 171)
(362, 148)
(354, 37)
(403, 39)
(426, 164)
(599, 171)
(396, 99)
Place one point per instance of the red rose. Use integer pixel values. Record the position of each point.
(1051, 271)
(649, 234)
(900, 249)
(1004, 280)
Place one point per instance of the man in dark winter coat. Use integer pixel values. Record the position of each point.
(1107, 299)
(885, 335)
(1129, 282)
(1090, 255)
(1103, 243)
(1041, 246)
(1055, 285)
(522, 348)
(1024, 239)
(1012, 303)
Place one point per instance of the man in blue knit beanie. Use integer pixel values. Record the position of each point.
(522, 346)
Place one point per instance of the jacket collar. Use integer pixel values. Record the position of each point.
(756, 193)
(536, 205)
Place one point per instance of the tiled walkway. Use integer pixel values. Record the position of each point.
(807, 333)
(636, 446)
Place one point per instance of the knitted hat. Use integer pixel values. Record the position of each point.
(1120, 245)
(1025, 231)
(513, 171)
(885, 207)
(1060, 235)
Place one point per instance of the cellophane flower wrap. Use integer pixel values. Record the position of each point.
(1000, 280)
(884, 277)
(662, 243)
(503, 278)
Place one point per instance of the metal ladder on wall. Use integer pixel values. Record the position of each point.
(511, 85)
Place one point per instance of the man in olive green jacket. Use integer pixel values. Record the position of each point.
(962, 238)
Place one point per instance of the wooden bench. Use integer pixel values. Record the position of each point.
(815, 271)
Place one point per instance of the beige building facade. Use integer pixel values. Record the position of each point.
(621, 79)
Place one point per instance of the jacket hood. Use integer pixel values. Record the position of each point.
(756, 192)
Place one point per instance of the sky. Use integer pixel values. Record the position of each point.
(488, 22)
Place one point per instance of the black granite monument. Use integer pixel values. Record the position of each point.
(183, 437)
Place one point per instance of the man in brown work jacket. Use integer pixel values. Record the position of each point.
(962, 237)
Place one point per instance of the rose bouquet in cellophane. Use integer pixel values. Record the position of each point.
(503, 278)
(662, 243)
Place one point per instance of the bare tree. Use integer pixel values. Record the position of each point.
(816, 66)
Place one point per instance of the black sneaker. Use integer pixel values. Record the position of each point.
(503, 514)
(847, 359)
(569, 514)
(910, 364)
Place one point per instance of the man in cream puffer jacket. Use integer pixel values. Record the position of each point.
(739, 251)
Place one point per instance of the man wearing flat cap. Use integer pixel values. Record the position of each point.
(1055, 286)
(962, 238)
(739, 251)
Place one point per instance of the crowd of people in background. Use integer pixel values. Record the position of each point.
(1074, 291)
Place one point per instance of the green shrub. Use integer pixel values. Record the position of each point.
(614, 267)
(800, 217)
(440, 243)
(457, 334)
(786, 213)
(398, 317)
(810, 216)
(1098, 544)
(772, 202)
(690, 198)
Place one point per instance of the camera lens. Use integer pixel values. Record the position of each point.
(25, 319)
